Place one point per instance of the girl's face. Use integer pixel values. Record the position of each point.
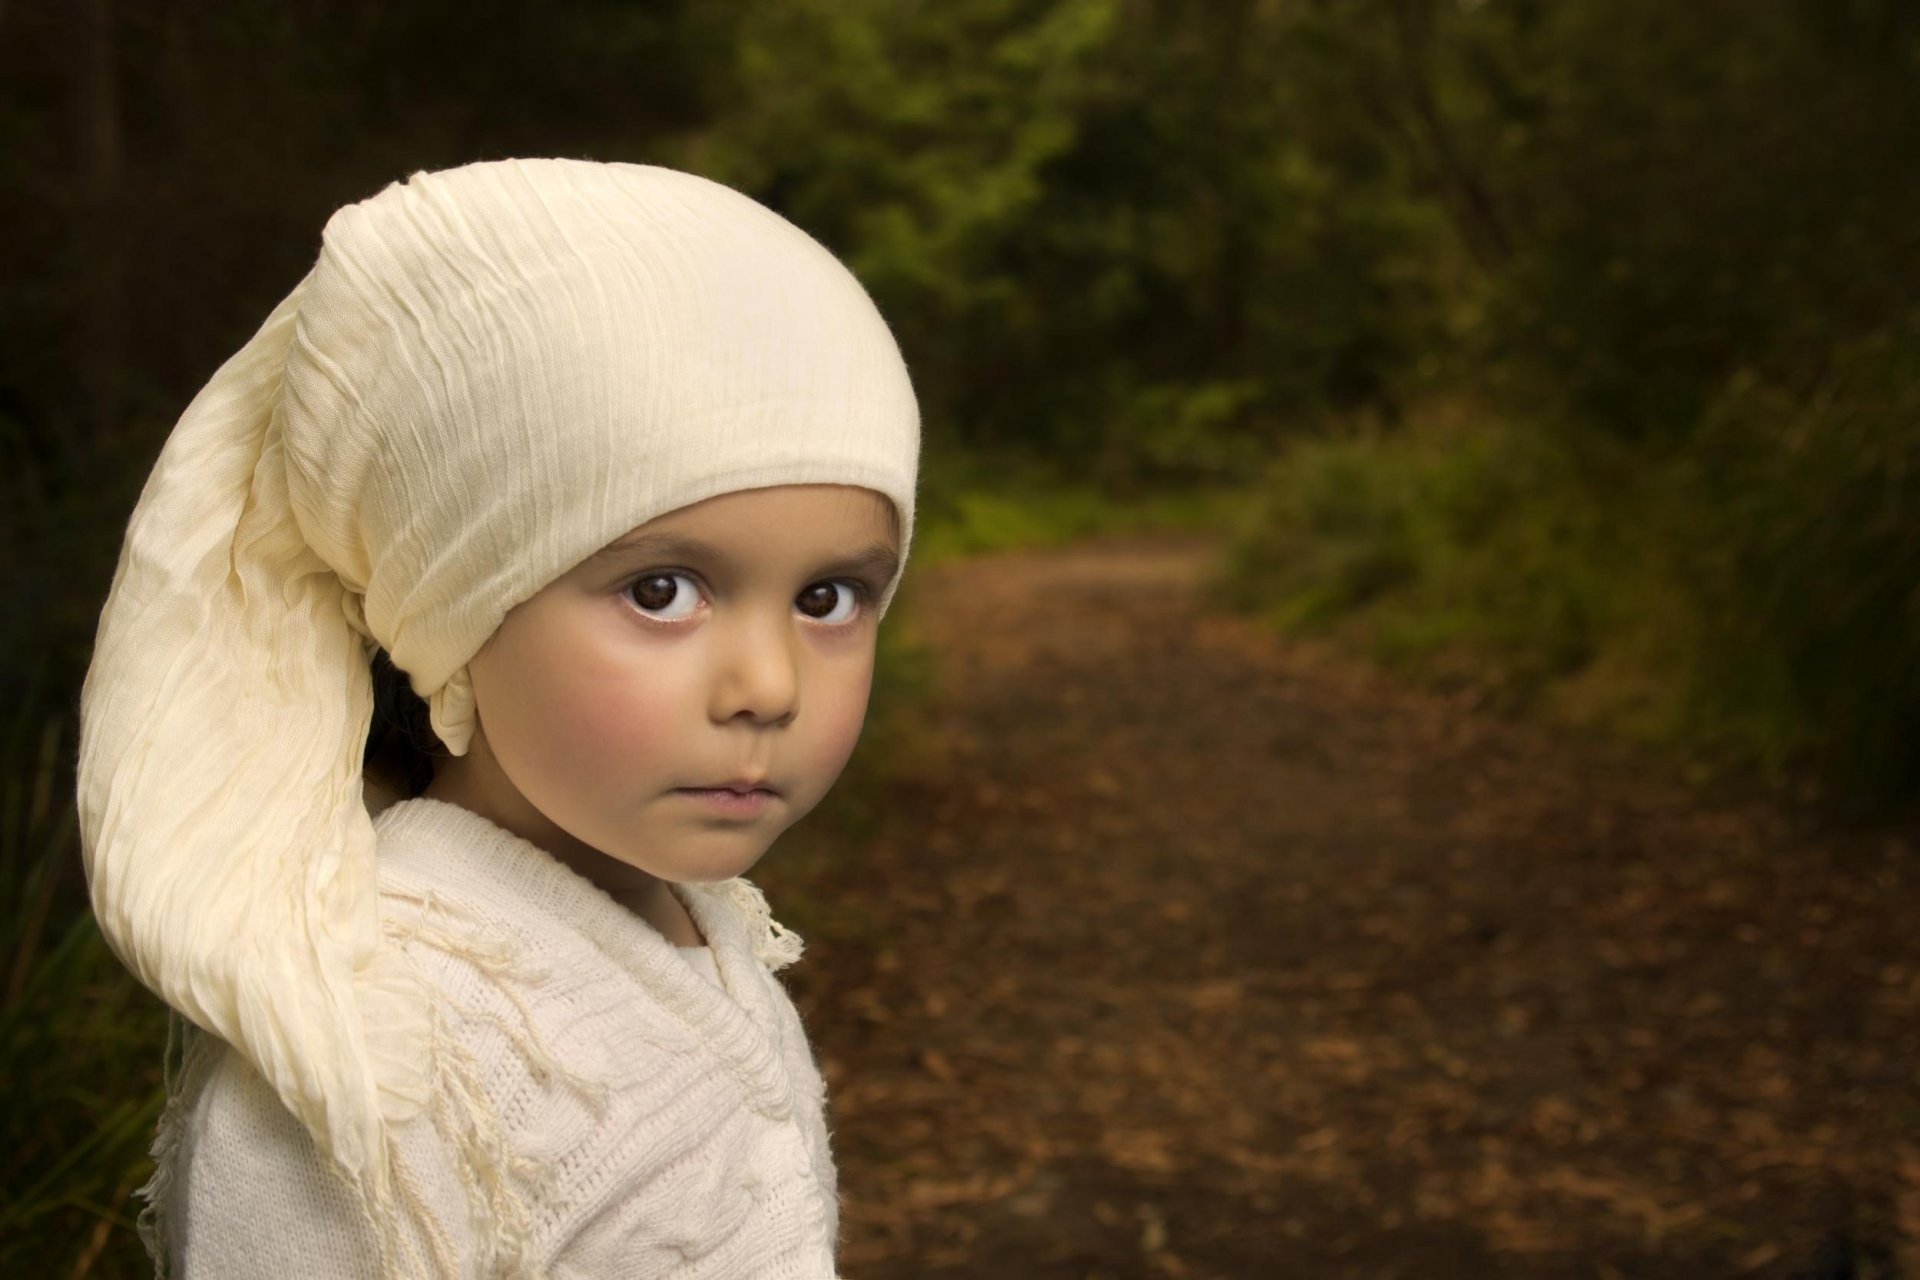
(667, 708)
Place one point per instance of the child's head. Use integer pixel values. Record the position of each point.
(678, 700)
(491, 376)
(556, 352)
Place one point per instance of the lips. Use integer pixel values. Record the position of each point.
(740, 786)
(737, 800)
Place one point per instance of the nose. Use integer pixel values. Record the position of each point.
(758, 676)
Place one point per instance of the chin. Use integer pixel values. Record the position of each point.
(711, 866)
(716, 875)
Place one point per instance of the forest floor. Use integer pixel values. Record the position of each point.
(1176, 949)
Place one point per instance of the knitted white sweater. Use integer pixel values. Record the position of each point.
(654, 1124)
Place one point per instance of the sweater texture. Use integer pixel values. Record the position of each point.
(636, 1118)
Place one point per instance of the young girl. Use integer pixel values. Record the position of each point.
(608, 472)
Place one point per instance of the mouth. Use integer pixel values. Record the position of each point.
(739, 786)
(738, 799)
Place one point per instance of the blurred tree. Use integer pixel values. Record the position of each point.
(1706, 187)
(1103, 229)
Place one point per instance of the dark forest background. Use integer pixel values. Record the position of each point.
(1569, 349)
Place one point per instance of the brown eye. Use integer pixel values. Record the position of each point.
(665, 595)
(828, 601)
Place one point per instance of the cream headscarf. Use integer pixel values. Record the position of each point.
(489, 373)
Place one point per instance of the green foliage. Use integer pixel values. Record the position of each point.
(1692, 234)
(1754, 599)
(1461, 551)
(1184, 432)
(1808, 560)
(1337, 532)
(1067, 270)
(1704, 186)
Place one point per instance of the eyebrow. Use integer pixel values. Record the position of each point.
(877, 559)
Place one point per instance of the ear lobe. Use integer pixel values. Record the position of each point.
(451, 708)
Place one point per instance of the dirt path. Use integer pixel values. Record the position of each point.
(1191, 953)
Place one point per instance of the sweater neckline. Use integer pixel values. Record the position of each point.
(468, 856)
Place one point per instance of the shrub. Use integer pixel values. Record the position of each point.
(1809, 560)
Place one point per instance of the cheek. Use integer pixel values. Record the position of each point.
(609, 726)
(843, 710)
(576, 711)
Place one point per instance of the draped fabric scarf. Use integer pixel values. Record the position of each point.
(489, 373)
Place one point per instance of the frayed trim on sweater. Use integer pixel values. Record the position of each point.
(185, 1046)
(774, 945)
(488, 1171)
(496, 955)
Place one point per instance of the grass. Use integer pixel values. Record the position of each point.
(79, 1038)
